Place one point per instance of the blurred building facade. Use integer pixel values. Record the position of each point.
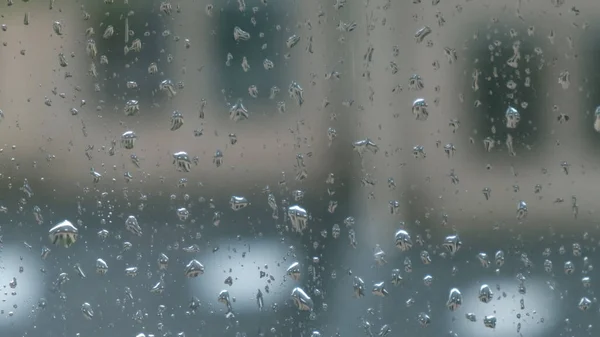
(355, 81)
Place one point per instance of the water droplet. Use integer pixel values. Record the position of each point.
(359, 287)
(425, 257)
(296, 92)
(403, 240)
(132, 107)
(182, 161)
(420, 109)
(489, 321)
(183, 214)
(449, 149)
(292, 41)
(237, 203)
(238, 111)
(419, 152)
(335, 231)
(584, 304)
(415, 82)
(91, 48)
(218, 158)
(361, 146)
(131, 272)
(302, 301)
(521, 210)
(513, 117)
(194, 269)
(422, 33)
(162, 261)
(586, 282)
(483, 259)
(396, 278)
(485, 293)
(298, 217)
(132, 225)
(240, 34)
(569, 267)
(294, 272)
(87, 311)
(176, 120)
(452, 244)
(455, 299)
(379, 289)
(128, 139)
(57, 27)
(499, 258)
(423, 319)
(64, 234)
(487, 192)
(548, 266)
(564, 79)
(101, 267)
(168, 87)
(108, 32)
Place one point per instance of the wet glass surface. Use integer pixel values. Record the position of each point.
(298, 168)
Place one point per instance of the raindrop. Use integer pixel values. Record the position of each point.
(237, 203)
(521, 210)
(87, 311)
(238, 111)
(452, 244)
(396, 278)
(359, 287)
(454, 300)
(132, 107)
(182, 161)
(415, 82)
(131, 224)
(569, 267)
(176, 120)
(168, 87)
(298, 217)
(423, 319)
(485, 293)
(422, 33)
(293, 271)
(101, 267)
(302, 301)
(420, 110)
(403, 240)
(584, 304)
(379, 289)
(64, 234)
(512, 117)
(240, 34)
(489, 321)
(194, 269)
(57, 27)
(296, 92)
(128, 139)
(292, 41)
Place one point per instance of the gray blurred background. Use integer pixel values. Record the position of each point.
(54, 148)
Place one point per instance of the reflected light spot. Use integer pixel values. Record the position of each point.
(17, 302)
(539, 316)
(252, 266)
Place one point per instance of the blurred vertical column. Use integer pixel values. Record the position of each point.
(379, 55)
(33, 83)
(267, 60)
